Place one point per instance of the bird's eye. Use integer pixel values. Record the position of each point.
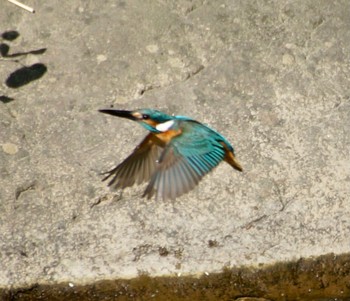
(145, 116)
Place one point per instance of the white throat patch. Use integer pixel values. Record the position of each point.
(163, 127)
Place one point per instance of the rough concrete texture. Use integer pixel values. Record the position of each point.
(272, 76)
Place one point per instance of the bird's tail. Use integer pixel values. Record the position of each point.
(232, 160)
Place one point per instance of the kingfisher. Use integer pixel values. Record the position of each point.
(175, 155)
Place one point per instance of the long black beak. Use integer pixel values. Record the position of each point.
(119, 113)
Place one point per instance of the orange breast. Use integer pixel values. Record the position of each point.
(167, 136)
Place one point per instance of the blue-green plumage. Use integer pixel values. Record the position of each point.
(174, 156)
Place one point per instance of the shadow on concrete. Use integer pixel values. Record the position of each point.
(319, 279)
(25, 74)
(6, 99)
(10, 35)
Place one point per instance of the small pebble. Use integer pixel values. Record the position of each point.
(10, 148)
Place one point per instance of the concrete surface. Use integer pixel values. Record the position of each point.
(272, 76)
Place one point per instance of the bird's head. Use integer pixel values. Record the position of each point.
(152, 120)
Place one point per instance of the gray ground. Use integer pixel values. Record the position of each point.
(272, 76)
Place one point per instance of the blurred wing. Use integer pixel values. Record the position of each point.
(184, 162)
(138, 167)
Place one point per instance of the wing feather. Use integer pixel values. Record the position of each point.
(137, 167)
(185, 160)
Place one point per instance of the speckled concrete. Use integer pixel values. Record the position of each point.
(273, 77)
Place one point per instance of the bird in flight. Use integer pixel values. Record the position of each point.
(173, 157)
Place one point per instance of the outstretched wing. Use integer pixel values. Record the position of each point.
(138, 167)
(185, 160)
